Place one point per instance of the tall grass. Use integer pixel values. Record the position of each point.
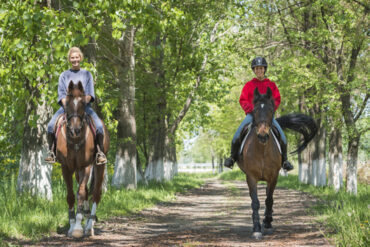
(346, 217)
(24, 216)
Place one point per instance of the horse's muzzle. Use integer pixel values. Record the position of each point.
(263, 132)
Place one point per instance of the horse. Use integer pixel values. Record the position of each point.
(75, 151)
(260, 158)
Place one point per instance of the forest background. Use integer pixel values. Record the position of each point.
(167, 71)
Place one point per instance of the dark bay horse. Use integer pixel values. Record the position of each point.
(76, 151)
(261, 159)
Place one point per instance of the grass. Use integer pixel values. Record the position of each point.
(24, 216)
(346, 217)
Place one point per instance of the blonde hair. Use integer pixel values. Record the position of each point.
(75, 49)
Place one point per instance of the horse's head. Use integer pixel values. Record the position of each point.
(263, 114)
(75, 111)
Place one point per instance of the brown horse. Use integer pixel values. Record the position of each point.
(76, 152)
(261, 158)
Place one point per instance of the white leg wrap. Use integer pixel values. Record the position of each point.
(89, 227)
(72, 223)
(77, 230)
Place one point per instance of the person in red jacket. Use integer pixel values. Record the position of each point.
(259, 67)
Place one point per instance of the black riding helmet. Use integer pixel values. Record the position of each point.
(259, 61)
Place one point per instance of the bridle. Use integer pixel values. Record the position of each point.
(254, 112)
(82, 117)
(265, 121)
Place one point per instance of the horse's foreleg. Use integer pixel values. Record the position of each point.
(98, 173)
(82, 196)
(67, 175)
(252, 185)
(269, 203)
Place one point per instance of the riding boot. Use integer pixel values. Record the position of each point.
(101, 159)
(229, 162)
(51, 155)
(286, 164)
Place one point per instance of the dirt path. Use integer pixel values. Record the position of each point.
(218, 214)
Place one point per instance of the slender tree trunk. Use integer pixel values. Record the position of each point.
(304, 161)
(305, 158)
(140, 172)
(220, 164)
(158, 137)
(335, 177)
(353, 140)
(213, 163)
(156, 167)
(170, 158)
(125, 165)
(351, 171)
(34, 174)
(318, 166)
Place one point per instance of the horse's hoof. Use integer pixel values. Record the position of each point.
(89, 232)
(257, 235)
(78, 233)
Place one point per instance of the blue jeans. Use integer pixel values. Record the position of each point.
(248, 119)
(89, 111)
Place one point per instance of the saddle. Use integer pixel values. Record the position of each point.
(247, 129)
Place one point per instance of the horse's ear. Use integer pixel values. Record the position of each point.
(269, 92)
(80, 87)
(70, 87)
(256, 95)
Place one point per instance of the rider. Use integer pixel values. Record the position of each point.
(259, 67)
(76, 74)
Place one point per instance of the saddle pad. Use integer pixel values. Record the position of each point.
(58, 124)
(92, 125)
(245, 138)
(247, 129)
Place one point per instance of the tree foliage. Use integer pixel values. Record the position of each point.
(192, 59)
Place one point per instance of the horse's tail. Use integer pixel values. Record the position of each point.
(300, 123)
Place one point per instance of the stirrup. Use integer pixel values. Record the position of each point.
(287, 166)
(229, 164)
(51, 158)
(98, 155)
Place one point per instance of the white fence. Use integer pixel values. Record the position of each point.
(197, 168)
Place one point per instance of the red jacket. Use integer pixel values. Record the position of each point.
(246, 97)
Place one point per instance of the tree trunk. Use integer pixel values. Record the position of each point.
(318, 166)
(220, 164)
(335, 177)
(351, 171)
(125, 165)
(34, 174)
(170, 158)
(213, 164)
(156, 167)
(304, 161)
(305, 158)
